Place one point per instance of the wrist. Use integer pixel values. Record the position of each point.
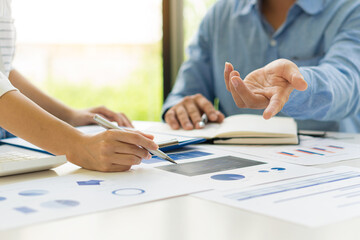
(69, 116)
(75, 147)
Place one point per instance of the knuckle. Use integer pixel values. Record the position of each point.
(170, 114)
(187, 100)
(137, 137)
(109, 134)
(133, 159)
(144, 153)
(198, 95)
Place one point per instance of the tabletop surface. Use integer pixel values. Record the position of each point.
(184, 217)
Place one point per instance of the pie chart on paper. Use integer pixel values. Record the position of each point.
(227, 177)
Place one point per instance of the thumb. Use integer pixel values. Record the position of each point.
(298, 82)
(288, 71)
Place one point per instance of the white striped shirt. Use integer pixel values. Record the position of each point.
(7, 45)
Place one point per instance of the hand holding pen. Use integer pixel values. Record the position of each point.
(109, 125)
(187, 113)
(203, 121)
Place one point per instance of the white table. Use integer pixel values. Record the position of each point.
(184, 217)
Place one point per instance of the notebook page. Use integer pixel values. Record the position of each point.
(255, 125)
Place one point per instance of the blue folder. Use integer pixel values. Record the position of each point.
(18, 142)
(182, 144)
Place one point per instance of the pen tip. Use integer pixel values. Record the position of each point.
(171, 160)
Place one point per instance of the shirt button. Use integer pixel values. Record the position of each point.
(273, 43)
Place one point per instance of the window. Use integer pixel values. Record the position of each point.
(93, 52)
(194, 11)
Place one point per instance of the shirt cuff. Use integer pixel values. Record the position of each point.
(5, 85)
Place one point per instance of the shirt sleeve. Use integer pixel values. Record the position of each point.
(195, 75)
(5, 85)
(334, 85)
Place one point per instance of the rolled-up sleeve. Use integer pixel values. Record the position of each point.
(334, 85)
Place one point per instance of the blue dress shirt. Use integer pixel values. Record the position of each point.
(321, 36)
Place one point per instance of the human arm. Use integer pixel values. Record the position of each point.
(60, 110)
(111, 150)
(334, 82)
(193, 92)
(266, 88)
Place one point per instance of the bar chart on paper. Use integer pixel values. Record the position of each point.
(316, 152)
(312, 201)
(311, 151)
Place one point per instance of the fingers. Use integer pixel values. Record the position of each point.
(234, 83)
(187, 113)
(289, 71)
(298, 82)
(120, 118)
(170, 118)
(227, 70)
(292, 74)
(220, 117)
(207, 107)
(244, 97)
(119, 150)
(126, 120)
(131, 137)
(183, 118)
(151, 137)
(276, 103)
(193, 112)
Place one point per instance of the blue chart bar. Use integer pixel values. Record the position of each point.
(227, 177)
(25, 210)
(309, 152)
(278, 169)
(260, 192)
(33, 193)
(90, 182)
(2, 199)
(178, 156)
(60, 204)
(338, 147)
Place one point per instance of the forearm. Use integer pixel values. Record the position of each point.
(22, 117)
(45, 101)
(332, 94)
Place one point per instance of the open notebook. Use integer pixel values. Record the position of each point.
(242, 129)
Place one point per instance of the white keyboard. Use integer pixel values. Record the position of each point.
(18, 162)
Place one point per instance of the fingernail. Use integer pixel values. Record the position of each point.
(234, 82)
(227, 66)
(188, 125)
